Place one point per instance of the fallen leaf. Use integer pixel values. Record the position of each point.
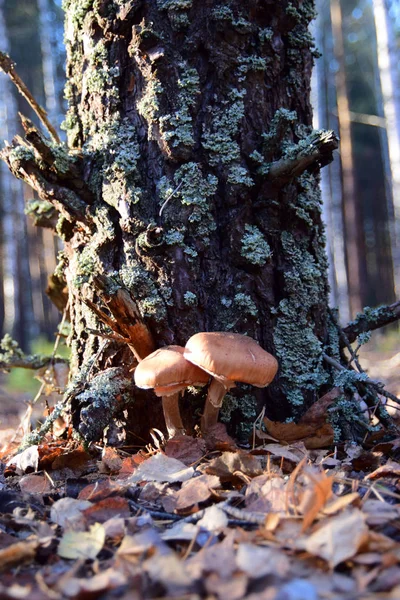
(380, 513)
(111, 462)
(100, 490)
(68, 511)
(228, 463)
(141, 543)
(219, 558)
(180, 531)
(337, 503)
(315, 496)
(82, 544)
(162, 468)
(35, 484)
(259, 561)
(170, 571)
(74, 587)
(107, 508)
(217, 438)
(283, 452)
(17, 554)
(390, 469)
(233, 587)
(28, 459)
(185, 448)
(312, 428)
(77, 460)
(338, 539)
(197, 489)
(214, 519)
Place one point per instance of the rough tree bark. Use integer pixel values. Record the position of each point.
(202, 108)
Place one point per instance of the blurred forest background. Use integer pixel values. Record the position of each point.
(356, 92)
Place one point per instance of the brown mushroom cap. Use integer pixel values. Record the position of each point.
(231, 357)
(168, 372)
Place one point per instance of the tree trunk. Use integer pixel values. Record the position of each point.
(202, 110)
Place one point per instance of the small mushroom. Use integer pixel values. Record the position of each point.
(168, 373)
(228, 357)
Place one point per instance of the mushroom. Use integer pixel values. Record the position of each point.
(168, 373)
(228, 357)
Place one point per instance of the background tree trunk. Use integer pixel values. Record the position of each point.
(203, 109)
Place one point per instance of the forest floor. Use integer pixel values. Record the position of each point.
(198, 518)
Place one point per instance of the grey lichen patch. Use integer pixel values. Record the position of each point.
(86, 266)
(246, 304)
(250, 63)
(196, 192)
(177, 128)
(120, 175)
(345, 417)
(104, 397)
(265, 35)
(308, 202)
(10, 349)
(223, 15)
(76, 11)
(174, 4)
(174, 237)
(190, 299)
(246, 408)
(255, 248)
(298, 349)
(151, 298)
(19, 153)
(239, 176)
(101, 76)
(274, 140)
(149, 104)
(219, 137)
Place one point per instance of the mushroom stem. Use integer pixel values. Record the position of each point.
(216, 393)
(172, 415)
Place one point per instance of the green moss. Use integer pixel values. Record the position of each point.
(254, 246)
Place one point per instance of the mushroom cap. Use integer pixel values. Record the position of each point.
(231, 357)
(168, 372)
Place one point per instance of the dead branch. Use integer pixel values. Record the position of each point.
(23, 165)
(316, 150)
(127, 321)
(372, 319)
(8, 66)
